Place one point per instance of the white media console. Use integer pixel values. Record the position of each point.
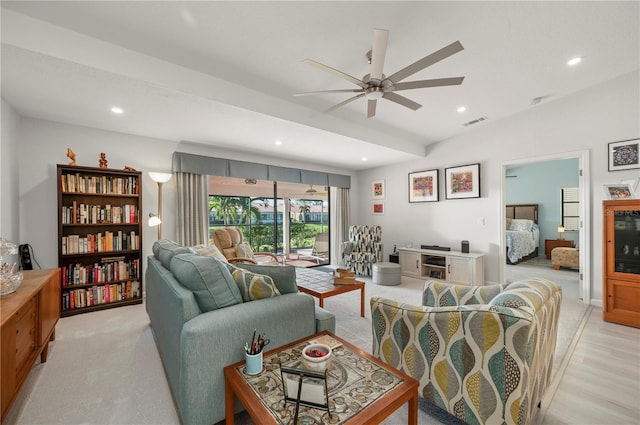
(450, 266)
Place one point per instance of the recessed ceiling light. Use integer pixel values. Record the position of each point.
(574, 61)
(117, 110)
(278, 142)
(364, 158)
(461, 109)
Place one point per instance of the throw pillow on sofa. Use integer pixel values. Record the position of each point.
(253, 286)
(283, 276)
(208, 279)
(165, 249)
(210, 251)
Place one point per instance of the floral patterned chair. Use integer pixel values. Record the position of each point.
(363, 249)
(482, 353)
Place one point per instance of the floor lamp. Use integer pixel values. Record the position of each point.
(156, 219)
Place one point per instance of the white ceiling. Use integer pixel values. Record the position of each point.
(224, 73)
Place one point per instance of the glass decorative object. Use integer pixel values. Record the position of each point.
(10, 275)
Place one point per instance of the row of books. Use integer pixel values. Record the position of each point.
(77, 183)
(97, 214)
(106, 271)
(99, 242)
(344, 277)
(96, 295)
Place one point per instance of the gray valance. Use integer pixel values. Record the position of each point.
(200, 164)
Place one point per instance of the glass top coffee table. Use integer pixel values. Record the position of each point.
(320, 285)
(361, 388)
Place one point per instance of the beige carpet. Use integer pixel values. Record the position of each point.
(104, 367)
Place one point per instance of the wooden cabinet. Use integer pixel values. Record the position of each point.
(549, 244)
(451, 266)
(29, 317)
(99, 238)
(621, 257)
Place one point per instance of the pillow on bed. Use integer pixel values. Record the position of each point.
(521, 224)
(508, 222)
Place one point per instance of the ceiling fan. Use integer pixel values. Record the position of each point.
(376, 85)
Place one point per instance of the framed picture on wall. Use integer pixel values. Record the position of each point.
(378, 208)
(423, 186)
(463, 181)
(624, 155)
(618, 191)
(377, 189)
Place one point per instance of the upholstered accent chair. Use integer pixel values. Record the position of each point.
(565, 257)
(363, 249)
(482, 353)
(231, 244)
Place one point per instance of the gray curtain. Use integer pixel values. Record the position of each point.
(340, 222)
(192, 218)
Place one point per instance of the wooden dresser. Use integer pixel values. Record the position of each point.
(29, 318)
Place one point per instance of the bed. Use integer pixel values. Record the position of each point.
(522, 233)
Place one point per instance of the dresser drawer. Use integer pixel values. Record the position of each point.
(25, 333)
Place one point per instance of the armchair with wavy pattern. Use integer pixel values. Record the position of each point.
(484, 354)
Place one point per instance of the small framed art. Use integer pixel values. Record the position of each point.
(423, 186)
(378, 208)
(624, 155)
(377, 189)
(618, 191)
(463, 181)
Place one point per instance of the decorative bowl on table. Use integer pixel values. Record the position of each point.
(10, 277)
(316, 357)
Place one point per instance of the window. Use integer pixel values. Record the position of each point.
(570, 209)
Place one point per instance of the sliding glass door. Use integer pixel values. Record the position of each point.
(284, 218)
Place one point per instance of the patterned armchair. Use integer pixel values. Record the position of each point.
(484, 354)
(363, 249)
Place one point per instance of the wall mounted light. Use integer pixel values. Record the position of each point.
(160, 179)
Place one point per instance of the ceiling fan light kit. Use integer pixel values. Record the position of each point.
(376, 85)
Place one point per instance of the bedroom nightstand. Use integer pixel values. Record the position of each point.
(549, 244)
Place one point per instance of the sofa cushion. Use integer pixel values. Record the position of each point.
(165, 249)
(209, 251)
(253, 286)
(208, 279)
(283, 276)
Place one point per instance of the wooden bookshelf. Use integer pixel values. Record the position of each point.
(99, 238)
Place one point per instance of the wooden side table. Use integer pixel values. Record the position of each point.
(549, 244)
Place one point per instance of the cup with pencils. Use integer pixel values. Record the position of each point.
(253, 352)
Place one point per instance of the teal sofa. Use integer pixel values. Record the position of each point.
(195, 345)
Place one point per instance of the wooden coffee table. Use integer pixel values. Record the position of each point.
(320, 285)
(352, 371)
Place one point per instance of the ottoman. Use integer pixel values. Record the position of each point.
(386, 274)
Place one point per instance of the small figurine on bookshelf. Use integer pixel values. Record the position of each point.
(72, 156)
(129, 168)
(103, 160)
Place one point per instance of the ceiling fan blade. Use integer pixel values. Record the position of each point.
(378, 52)
(401, 100)
(330, 91)
(351, 99)
(429, 60)
(438, 82)
(335, 72)
(371, 108)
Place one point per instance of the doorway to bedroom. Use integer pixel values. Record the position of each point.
(546, 183)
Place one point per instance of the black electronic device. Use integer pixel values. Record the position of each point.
(436, 247)
(465, 247)
(25, 257)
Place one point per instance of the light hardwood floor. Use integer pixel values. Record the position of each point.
(601, 381)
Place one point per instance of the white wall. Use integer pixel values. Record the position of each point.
(43, 144)
(588, 120)
(9, 206)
